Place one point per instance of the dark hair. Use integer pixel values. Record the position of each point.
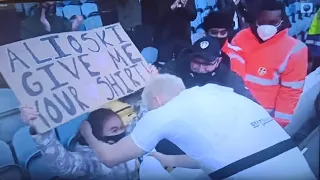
(96, 119)
(273, 5)
(218, 19)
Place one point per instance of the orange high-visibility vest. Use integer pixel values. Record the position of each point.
(237, 62)
(275, 71)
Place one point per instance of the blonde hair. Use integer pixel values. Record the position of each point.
(165, 85)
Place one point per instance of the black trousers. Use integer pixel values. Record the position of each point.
(167, 147)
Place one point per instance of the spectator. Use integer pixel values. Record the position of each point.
(276, 63)
(204, 63)
(81, 162)
(199, 121)
(219, 24)
(170, 21)
(45, 21)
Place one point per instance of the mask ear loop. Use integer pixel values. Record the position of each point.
(280, 23)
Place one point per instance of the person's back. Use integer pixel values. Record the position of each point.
(225, 127)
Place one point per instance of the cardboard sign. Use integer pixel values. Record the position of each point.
(65, 75)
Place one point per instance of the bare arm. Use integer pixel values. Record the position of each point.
(183, 161)
(113, 155)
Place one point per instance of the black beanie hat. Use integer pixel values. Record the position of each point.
(218, 19)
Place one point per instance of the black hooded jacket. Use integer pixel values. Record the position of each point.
(223, 75)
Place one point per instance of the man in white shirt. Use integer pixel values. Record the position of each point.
(214, 126)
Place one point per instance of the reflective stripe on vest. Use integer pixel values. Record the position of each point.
(282, 115)
(276, 78)
(236, 57)
(293, 84)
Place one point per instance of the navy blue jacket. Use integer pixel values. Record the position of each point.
(223, 76)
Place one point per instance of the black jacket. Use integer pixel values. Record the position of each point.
(223, 76)
(167, 24)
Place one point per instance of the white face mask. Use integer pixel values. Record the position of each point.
(266, 32)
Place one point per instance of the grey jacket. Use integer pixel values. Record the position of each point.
(81, 163)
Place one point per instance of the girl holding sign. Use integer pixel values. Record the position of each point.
(82, 162)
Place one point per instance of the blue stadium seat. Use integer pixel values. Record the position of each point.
(66, 2)
(24, 145)
(71, 10)
(6, 157)
(196, 36)
(93, 21)
(204, 14)
(38, 168)
(59, 11)
(197, 21)
(10, 121)
(8, 100)
(69, 129)
(150, 54)
(211, 3)
(88, 8)
(12, 172)
(201, 4)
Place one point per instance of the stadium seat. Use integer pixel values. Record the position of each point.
(59, 11)
(28, 8)
(150, 54)
(201, 4)
(24, 145)
(196, 36)
(38, 168)
(6, 157)
(197, 21)
(88, 8)
(205, 13)
(93, 21)
(12, 172)
(211, 3)
(83, 1)
(66, 2)
(10, 121)
(71, 10)
(69, 129)
(8, 100)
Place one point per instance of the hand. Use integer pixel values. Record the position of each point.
(165, 160)
(175, 5)
(29, 115)
(44, 20)
(77, 22)
(153, 70)
(236, 2)
(85, 129)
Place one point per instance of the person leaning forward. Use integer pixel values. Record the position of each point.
(199, 121)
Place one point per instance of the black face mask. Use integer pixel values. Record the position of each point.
(222, 41)
(113, 139)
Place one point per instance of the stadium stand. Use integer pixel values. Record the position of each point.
(88, 8)
(72, 9)
(6, 154)
(10, 121)
(69, 129)
(93, 21)
(24, 145)
(12, 129)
